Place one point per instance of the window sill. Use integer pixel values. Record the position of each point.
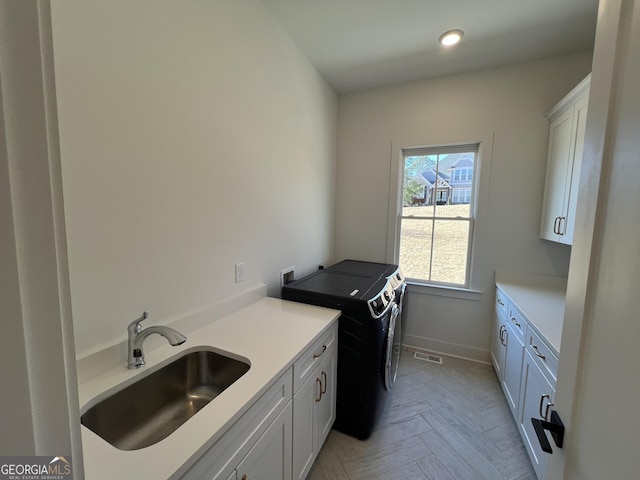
(444, 291)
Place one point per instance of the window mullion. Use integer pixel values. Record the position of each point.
(433, 238)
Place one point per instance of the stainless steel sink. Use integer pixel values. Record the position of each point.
(152, 408)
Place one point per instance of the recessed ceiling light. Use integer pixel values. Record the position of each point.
(451, 37)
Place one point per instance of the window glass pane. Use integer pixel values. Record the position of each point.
(415, 248)
(419, 178)
(456, 178)
(454, 210)
(450, 250)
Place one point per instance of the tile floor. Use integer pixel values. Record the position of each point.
(442, 422)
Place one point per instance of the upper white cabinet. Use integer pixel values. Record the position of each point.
(564, 161)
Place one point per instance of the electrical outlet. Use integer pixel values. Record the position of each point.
(286, 276)
(239, 272)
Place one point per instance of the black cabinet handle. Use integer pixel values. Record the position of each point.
(318, 355)
(537, 352)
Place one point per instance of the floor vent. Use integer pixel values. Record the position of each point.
(428, 357)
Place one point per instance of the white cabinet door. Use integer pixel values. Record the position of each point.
(270, 457)
(559, 159)
(580, 123)
(326, 406)
(512, 368)
(223, 456)
(537, 395)
(498, 344)
(564, 162)
(304, 404)
(314, 411)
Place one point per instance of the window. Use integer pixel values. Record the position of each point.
(463, 174)
(461, 195)
(436, 223)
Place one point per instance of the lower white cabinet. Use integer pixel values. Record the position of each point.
(527, 370)
(314, 411)
(225, 456)
(270, 457)
(507, 348)
(498, 342)
(280, 435)
(538, 393)
(512, 368)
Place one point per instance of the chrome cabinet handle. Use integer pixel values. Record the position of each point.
(323, 388)
(560, 229)
(500, 302)
(319, 383)
(503, 331)
(537, 352)
(546, 411)
(318, 355)
(543, 415)
(555, 226)
(516, 322)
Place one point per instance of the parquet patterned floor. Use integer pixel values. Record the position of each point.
(442, 422)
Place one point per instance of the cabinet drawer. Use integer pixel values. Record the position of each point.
(501, 302)
(542, 355)
(517, 322)
(311, 358)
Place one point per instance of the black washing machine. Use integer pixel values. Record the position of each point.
(396, 278)
(365, 341)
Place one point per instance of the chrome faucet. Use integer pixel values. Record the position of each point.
(137, 336)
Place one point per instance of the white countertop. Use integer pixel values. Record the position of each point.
(270, 333)
(541, 300)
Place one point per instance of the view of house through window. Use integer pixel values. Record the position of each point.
(436, 224)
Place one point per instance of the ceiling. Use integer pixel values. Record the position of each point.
(360, 44)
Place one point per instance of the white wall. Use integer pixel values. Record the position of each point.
(39, 405)
(598, 381)
(194, 135)
(509, 103)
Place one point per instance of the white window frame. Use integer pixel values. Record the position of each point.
(482, 170)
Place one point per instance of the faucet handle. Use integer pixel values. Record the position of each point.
(135, 326)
